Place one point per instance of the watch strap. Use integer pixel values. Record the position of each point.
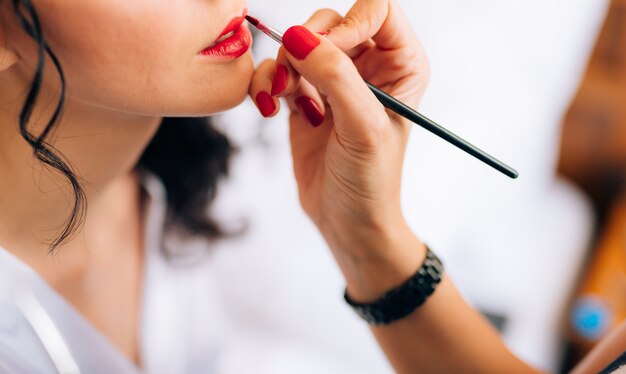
(403, 300)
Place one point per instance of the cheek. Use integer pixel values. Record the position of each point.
(145, 65)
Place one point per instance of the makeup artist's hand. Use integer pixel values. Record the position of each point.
(348, 150)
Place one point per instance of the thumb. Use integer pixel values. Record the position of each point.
(380, 20)
(355, 109)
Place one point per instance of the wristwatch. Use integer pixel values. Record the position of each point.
(402, 301)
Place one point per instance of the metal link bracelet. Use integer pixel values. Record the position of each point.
(402, 301)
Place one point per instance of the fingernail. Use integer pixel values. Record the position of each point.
(323, 33)
(279, 83)
(307, 106)
(265, 103)
(299, 41)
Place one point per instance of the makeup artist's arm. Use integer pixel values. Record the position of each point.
(348, 153)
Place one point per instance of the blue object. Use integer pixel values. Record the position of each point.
(591, 317)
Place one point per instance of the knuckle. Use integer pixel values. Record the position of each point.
(418, 60)
(263, 70)
(362, 25)
(350, 23)
(419, 69)
(326, 13)
(410, 55)
(336, 67)
(375, 134)
(266, 64)
(412, 65)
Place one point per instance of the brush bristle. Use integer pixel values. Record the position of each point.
(252, 20)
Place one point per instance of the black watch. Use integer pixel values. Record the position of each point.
(402, 301)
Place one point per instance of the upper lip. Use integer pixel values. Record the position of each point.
(233, 25)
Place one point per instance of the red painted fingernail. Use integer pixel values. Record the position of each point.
(279, 83)
(265, 103)
(323, 33)
(307, 106)
(299, 41)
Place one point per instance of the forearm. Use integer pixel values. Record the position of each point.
(443, 335)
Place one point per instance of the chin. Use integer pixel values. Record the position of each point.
(237, 94)
(229, 93)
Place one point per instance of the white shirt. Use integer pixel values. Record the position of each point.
(180, 319)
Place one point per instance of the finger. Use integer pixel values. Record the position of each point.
(358, 114)
(260, 89)
(323, 20)
(310, 125)
(308, 103)
(380, 20)
(286, 79)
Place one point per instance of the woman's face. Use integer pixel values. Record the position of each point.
(144, 56)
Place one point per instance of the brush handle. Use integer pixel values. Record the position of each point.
(407, 112)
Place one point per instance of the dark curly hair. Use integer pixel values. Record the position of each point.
(188, 154)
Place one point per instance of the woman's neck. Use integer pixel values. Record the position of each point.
(100, 145)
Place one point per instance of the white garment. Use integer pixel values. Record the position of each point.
(180, 319)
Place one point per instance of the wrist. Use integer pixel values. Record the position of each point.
(360, 236)
(386, 259)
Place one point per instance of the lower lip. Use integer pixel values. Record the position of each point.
(231, 48)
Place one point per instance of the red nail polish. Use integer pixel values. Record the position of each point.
(299, 41)
(307, 106)
(279, 83)
(265, 103)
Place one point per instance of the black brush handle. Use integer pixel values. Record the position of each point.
(409, 113)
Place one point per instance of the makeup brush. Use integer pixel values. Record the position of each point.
(407, 112)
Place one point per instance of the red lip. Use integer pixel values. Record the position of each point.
(234, 24)
(236, 45)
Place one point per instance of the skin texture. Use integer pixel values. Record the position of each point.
(134, 62)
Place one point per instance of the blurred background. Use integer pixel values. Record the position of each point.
(539, 84)
(593, 155)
